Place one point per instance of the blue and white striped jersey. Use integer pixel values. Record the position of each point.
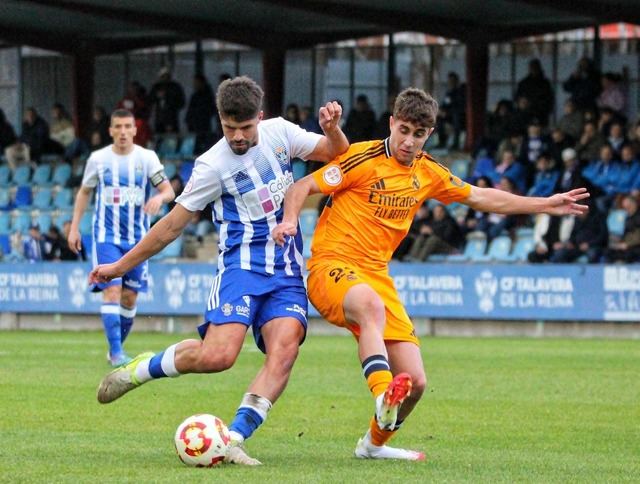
(123, 187)
(246, 192)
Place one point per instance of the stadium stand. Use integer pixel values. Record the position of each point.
(61, 174)
(41, 175)
(521, 249)
(86, 223)
(308, 221)
(498, 251)
(615, 222)
(42, 199)
(24, 197)
(460, 168)
(21, 175)
(5, 223)
(21, 222)
(63, 199)
(170, 169)
(5, 199)
(44, 221)
(168, 148)
(474, 248)
(5, 175)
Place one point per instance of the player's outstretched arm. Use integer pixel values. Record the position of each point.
(497, 201)
(334, 142)
(165, 231)
(82, 200)
(293, 202)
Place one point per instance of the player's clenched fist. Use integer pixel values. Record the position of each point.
(282, 231)
(329, 116)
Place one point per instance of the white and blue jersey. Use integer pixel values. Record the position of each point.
(123, 187)
(246, 193)
(257, 280)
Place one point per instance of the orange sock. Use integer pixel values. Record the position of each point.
(379, 437)
(378, 381)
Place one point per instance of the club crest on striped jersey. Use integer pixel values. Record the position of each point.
(281, 154)
(227, 309)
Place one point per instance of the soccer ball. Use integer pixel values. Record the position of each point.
(202, 440)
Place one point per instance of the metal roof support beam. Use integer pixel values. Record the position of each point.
(273, 61)
(477, 65)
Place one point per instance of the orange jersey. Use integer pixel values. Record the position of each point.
(373, 202)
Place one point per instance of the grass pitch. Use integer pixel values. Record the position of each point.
(497, 410)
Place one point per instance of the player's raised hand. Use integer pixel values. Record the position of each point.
(282, 231)
(567, 203)
(329, 116)
(104, 273)
(74, 241)
(152, 207)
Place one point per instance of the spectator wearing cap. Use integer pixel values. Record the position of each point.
(34, 245)
(571, 176)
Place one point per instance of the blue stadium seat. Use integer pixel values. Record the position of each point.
(62, 217)
(5, 175)
(615, 221)
(499, 250)
(299, 169)
(170, 169)
(5, 222)
(21, 175)
(474, 248)
(63, 199)
(5, 243)
(41, 175)
(168, 148)
(42, 199)
(21, 222)
(44, 220)
(523, 232)
(5, 199)
(24, 197)
(308, 221)
(521, 249)
(86, 223)
(61, 174)
(460, 168)
(187, 147)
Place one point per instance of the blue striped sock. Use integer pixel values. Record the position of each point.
(251, 413)
(111, 322)
(126, 321)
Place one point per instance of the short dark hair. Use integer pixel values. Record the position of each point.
(239, 98)
(417, 107)
(122, 113)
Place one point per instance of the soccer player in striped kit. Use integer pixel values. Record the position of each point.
(123, 174)
(258, 284)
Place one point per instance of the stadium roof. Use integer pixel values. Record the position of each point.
(108, 26)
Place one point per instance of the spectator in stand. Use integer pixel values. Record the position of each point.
(537, 89)
(590, 142)
(546, 177)
(584, 85)
(53, 243)
(292, 113)
(167, 99)
(627, 248)
(613, 94)
(572, 120)
(475, 220)
(628, 170)
(382, 127)
(571, 177)
(439, 235)
(510, 168)
(135, 101)
(200, 112)
(498, 128)
(451, 115)
(616, 138)
(61, 130)
(7, 133)
(34, 248)
(308, 121)
(603, 175)
(589, 237)
(99, 129)
(422, 217)
(511, 143)
(559, 142)
(35, 133)
(17, 249)
(361, 121)
(546, 233)
(533, 145)
(522, 116)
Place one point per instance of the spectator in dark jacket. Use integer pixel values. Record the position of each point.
(440, 235)
(35, 133)
(422, 217)
(7, 134)
(584, 85)
(167, 98)
(589, 237)
(537, 89)
(200, 112)
(627, 249)
(361, 121)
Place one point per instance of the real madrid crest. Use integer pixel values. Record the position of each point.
(416, 183)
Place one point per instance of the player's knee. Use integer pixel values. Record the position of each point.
(216, 360)
(419, 386)
(371, 314)
(284, 356)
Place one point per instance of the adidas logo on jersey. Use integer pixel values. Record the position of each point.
(379, 185)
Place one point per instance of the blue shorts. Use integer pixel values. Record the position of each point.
(135, 279)
(239, 296)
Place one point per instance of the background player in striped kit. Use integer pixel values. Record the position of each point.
(258, 284)
(123, 174)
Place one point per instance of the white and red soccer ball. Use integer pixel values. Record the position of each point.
(202, 440)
